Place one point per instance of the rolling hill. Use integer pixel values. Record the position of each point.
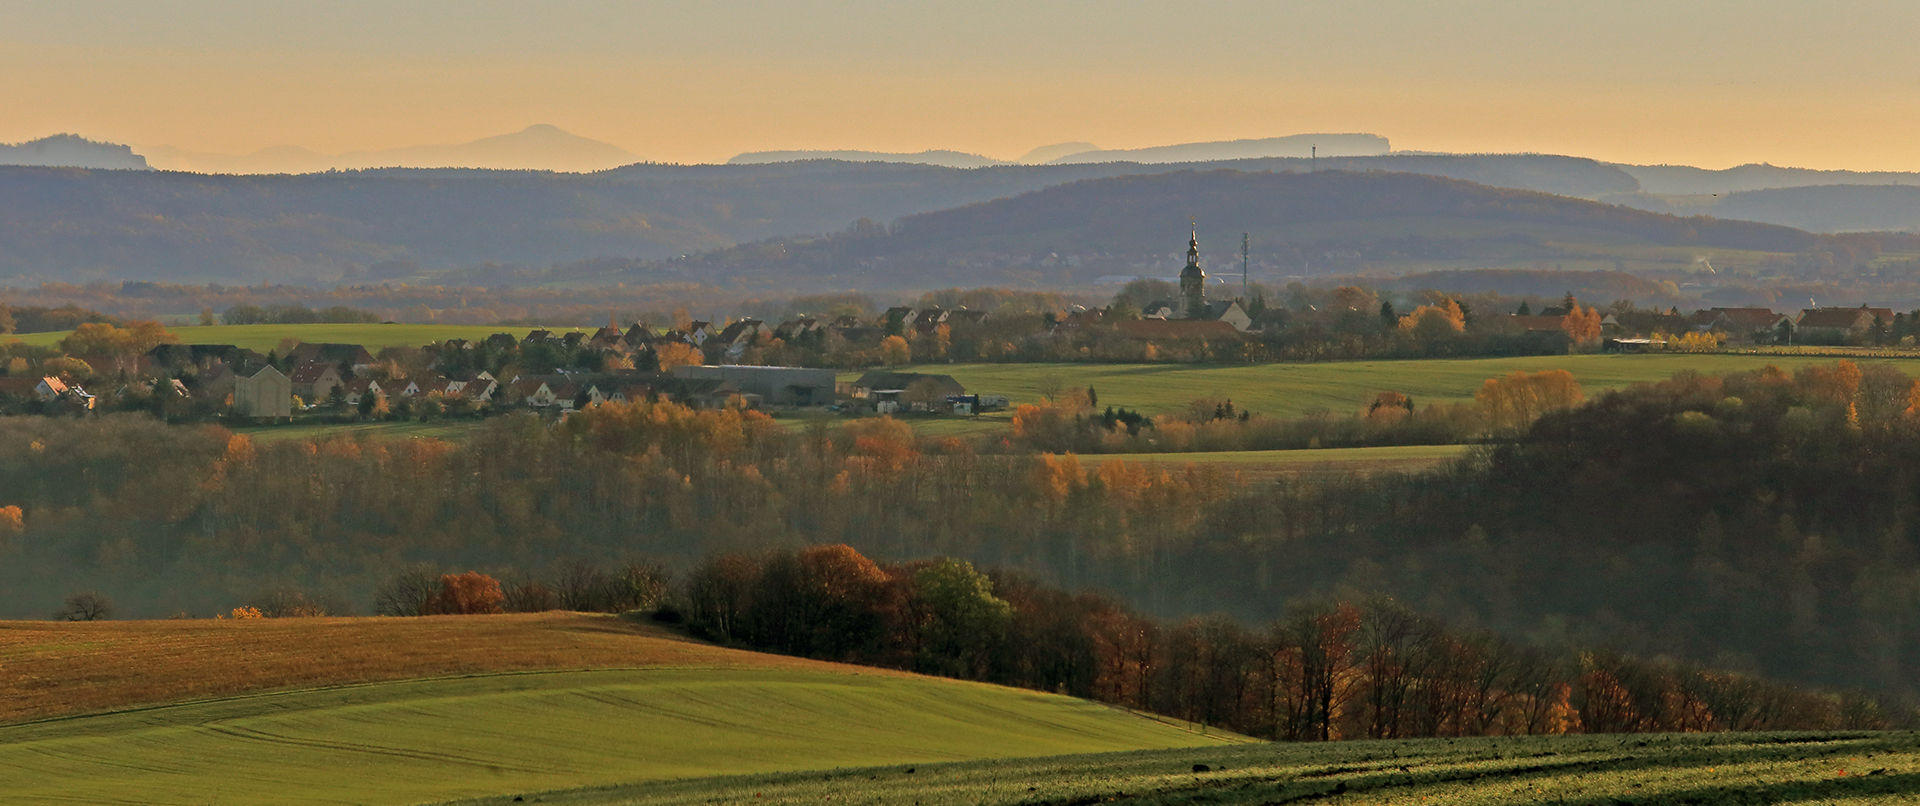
(449, 707)
(1329, 222)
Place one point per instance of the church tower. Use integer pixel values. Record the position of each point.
(1193, 282)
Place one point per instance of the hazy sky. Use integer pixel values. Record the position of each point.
(1828, 85)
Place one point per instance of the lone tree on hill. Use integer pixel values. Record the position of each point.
(85, 606)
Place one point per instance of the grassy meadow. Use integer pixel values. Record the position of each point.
(280, 711)
(1601, 770)
(267, 337)
(1294, 390)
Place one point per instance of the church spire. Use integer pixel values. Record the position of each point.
(1193, 281)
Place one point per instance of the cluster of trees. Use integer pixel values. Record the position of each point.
(44, 319)
(1763, 522)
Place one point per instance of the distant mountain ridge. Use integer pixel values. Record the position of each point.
(71, 151)
(540, 147)
(1681, 180)
(940, 157)
(1302, 224)
(1294, 145)
(1297, 145)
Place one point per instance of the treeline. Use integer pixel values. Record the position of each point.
(296, 314)
(42, 319)
(1765, 523)
(1323, 671)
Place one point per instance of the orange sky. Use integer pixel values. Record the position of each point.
(1702, 82)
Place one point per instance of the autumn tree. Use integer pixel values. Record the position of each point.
(471, 593)
(895, 351)
(1512, 403)
(677, 354)
(1582, 326)
(12, 521)
(99, 338)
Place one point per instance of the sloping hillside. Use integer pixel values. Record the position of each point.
(478, 706)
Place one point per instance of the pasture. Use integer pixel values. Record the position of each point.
(1602, 770)
(1295, 390)
(409, 710)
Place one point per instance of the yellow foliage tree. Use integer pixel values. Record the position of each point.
(1512, 403)
(678, 354)
(12, 521)
(99, 338)
(1448, 314)
(895, 351)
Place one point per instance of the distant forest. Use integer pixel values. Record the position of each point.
(1762, 522)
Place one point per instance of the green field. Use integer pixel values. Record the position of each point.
(1265, 464)
(267, 337)
(416, 741)
(1294, 390)
(1639, 770)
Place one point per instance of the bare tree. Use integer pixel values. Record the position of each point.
(407, 593)
(85, 606)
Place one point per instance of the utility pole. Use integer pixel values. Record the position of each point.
(1244, 241)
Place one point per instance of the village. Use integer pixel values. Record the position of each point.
(778, 367)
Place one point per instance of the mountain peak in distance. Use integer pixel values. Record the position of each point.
(540, 147)
(1046, 154)
(71, 151)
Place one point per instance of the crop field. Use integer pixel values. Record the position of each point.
(1294, 390)
(1601, 770)
(455, 719)
(267, 337)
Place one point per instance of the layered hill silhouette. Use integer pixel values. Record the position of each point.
(1294, 145)
(1298, 225)
(69, 224)
(924, 224)
(540, 147)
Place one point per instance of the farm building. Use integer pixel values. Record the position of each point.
(775, 386)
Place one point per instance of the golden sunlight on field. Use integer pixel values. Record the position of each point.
(56, 668)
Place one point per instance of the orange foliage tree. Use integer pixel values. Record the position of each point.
(678, 354)
(1583, 326)
(471, 593)
(12, 521)
(1440, 316)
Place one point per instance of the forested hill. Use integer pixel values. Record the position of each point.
(71, 224)
(1298, 223)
